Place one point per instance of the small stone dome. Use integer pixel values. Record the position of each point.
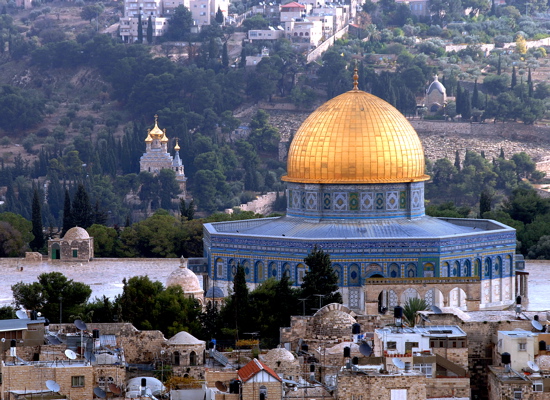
(76, 233)
(279, 354)
(185, 278)
(436, 85)
(333, 322)
(214, 292)
(184, 338)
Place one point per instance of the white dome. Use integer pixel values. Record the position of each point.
(185, 278)
(76, 233)
(436, 85)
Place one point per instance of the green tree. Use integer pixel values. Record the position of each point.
(68, 221)
(180, 24)
(225, 56)
(91, 11)
(320, 279)
(140, 29)
(11, 241)
(106, 241)
(81, 210)
(149, 30)
(46, 294)
(236, 314)
(38, 243)
(411, 308)
(485, 200)
(219, 16)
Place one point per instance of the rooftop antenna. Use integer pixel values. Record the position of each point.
(53, 386)
(398, 363)
(21, 314)
(365, 349)
(81, 326)
(537, 325)
(533, 366)
(71, 355)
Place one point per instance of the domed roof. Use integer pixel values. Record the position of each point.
(279, 354)
(184, 338)
(355, 138)
(436, 85)
(156, 132)
(185, 278)
(76, 233)
(214, 293)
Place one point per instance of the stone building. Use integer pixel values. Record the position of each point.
(214, 295)
(188, 281)
(186, 351)
(157, 157)
(436, 96)
(355, 188)
(283, 363)
(76, 245)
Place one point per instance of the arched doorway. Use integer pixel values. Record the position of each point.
(56, 251)
(387, 300)
(434, 297)
(193, 358)
(176, 358)
(457, 298)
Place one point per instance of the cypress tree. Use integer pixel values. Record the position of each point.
(499, 66)
(475, 97)
(530, 83)
(140, 29)
(501, 155)
(149, 30)
(485, 200)
(38, 242)
(458, 98)
(457, 160)
(242, 62)
(68, 221)
(466, 105)
(81, 210)
(514, 81)
(225, 56)
(219, 16)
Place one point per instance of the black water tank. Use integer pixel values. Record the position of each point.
(46, 322)
(13, 343)
(506, 358)
(542, 345)
(355, 361)
(234, 386)
(311, 367)
(347, 352)
(143, 382)
(398, 312)
(518, 300)
(95, 333)
(355, 329)
(536, 317)
(211, 345)
(305, 347)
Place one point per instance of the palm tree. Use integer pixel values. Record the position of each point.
(412, 306)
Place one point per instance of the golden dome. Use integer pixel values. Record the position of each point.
(164, 138)
(177, 146)
(356, 138)
(148, 138)
(156, 133)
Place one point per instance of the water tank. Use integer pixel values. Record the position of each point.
(518, 300)
(347, 352)
(95, 333)
(311, 367)
(506, 358)
(542, 345)
(355, 329)
(355, 360)
(234, 386)
(398, 312)
(305, 348)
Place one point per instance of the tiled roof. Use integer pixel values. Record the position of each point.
(293, 5)
(253, 368)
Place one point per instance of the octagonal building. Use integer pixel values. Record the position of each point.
(355, 188)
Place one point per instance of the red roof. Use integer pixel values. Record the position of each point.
(254, 367)
(293, 5)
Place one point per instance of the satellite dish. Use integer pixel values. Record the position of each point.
(100, 393)
(52, 339)
(365, 349)
(71, 355)
(533, 366)
(437, 310)
(21, 314)
(398, 363)
(53, 386)
(222, 387)
(425, 318)
(89, 356)
(81, 325)
(114, 388)
(537, 325)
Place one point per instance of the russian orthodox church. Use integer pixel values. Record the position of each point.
(436, 96)
(157, 157)
(355, 188)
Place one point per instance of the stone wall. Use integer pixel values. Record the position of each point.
(448, 387)
(454, 355)
(318, 52)
(33, 377)
(251, 390)
(379, 387)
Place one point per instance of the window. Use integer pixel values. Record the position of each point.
(538, 386)
(425, 369)
(517, 394)
(398, 394)
(77, 381)
(522, 346)
(75, 253)
(391, 346)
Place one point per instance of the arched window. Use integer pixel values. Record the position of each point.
(477, 267)
(394, 271)
(176, 358)
(286, 270)
(456, 269)
(263, 393)
(260, 273)
(338, 271)
(498, 266)
(411, 270)
(466, 268)
(354, 275)
(487, 268)
(193, 358)
(232, 270)
(444, 269)
(246, 266)
(273, 269)
(428, 270)
(219, 268)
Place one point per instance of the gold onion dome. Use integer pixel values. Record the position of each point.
(164, 138)
(177, 146)
(148, 138)
(355, 138)
(156, 133)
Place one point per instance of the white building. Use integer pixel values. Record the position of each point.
(304, 32)
(266, 34)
